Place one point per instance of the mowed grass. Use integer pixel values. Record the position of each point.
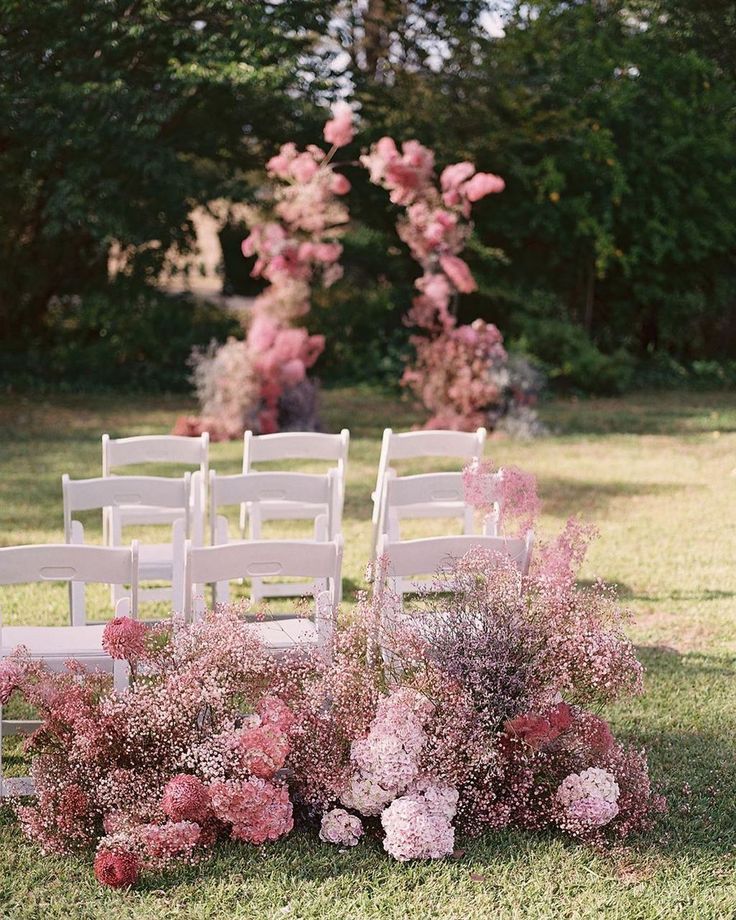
(657, 474)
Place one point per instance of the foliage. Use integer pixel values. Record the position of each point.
(117, 120)
(128, 337)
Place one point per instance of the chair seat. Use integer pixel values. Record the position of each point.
(285, 634)
(55, 641)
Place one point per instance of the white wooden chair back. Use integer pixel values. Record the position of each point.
(408, 445)
(118, 453)
(179, 499)
(254, 490)
(430, 495)
(402, 561)
(297, 445)
(74, 564)
(320, 562)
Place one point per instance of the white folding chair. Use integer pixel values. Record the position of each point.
(412, 445)
(128, 493)
(169, 449)
(296, 445)
(321, 562)
(56, 644)
(403, 560)
(256, 490)
(435, 495)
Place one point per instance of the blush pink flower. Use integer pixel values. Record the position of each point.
(459, 274)
(339, 130)
(482, 184)
(340, 827)
(339, 184)
(414, 830)
(124, 638)
(452, 176)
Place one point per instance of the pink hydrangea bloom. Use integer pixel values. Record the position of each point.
(415, 829)
(261, 750)
(163, 843)
(185, 798)
(365, 795)
(256, 810)
(124, 638)
(273, 711)
(340, 827)
(588, 799)
(339, 130)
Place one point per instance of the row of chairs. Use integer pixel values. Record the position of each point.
(261, 496)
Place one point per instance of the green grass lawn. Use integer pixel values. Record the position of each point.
(657, 473)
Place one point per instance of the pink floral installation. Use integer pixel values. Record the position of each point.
(261, 383)
(483, 713)
(460, 372)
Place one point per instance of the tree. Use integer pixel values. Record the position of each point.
(117, 118)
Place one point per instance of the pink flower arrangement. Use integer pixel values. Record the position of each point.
(452, 373)
(340, 827)
(242, 384)
(480, 717)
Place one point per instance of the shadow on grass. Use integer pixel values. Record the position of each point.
(563, 497)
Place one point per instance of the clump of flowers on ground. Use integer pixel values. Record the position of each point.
(480, 711)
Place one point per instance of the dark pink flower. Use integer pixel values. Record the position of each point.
(116, 868)
(124, 638)
(186, 798)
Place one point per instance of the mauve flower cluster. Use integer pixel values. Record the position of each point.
(341, 828)
(451, 372)
(524, 657)
(295, 247)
